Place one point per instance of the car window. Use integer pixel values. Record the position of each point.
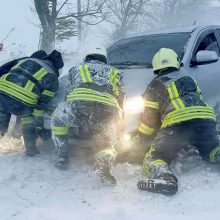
(209, 42)
(140, 50)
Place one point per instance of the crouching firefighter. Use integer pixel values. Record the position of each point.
(94, 97)
(25, 90)
(175, 117)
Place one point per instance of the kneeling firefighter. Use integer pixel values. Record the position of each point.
(174, 118)
(29, 84)
(95, 94)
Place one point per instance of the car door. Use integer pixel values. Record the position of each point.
(207, 75)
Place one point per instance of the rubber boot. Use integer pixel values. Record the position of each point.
(29, 134)
(165, 184)
(62, 161)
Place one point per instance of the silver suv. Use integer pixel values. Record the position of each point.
(197, 47)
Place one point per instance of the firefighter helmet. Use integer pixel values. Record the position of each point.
(96, 52)
(165, 58)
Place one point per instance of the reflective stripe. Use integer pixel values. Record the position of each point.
(90, 91)
(174, 96)
(191, 109)
(18, 64)
(85, 75)
(4, 76)
(18, 92)
(91, 95)
(40, 74)
(92, 98)
(48, 93)
(144, 129)
(114, 80)
(58, 130)
(189, 116)
(212, 155)
(27, 120)
(149, 166)
(149, 104)
(29, 85)
(156, 163)
(38, 113)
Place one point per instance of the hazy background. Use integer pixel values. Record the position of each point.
(24, 39)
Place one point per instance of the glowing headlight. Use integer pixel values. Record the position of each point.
(134, 105)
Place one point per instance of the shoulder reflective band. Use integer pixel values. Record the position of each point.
(27, 120)
(18, 64)
(174, 97)
(212, 155)
(91, 95)
(4, 76)
(18, 92)
(149, 104)
(59, 130)
(114, 80)
(144, 129)
(85, 74)
(38, 76)
(48, 93)
(188, 113)
(38, 113)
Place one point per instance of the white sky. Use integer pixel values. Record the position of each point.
(16, 13)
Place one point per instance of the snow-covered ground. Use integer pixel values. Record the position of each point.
(32, 188)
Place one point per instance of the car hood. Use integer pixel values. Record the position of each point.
(136, 80)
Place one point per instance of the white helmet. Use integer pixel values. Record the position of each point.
(96, 51)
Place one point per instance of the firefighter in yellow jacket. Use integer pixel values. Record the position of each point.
(94, 99)
(175, 117)
(26, 86)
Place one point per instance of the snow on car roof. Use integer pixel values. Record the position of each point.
(181, 29)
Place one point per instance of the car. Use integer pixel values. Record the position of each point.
(198, 48)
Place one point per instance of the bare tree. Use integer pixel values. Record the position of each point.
(170, 13)
(123, 15)
(52, 15)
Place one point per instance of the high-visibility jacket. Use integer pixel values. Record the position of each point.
(171, 98)
(96, 81)
(31, 81)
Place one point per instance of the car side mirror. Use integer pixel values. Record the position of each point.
(206, 57)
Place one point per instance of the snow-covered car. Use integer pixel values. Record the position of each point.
(198, 48)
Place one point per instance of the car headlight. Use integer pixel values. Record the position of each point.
(134, 105)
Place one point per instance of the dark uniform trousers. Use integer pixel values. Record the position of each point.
(98, 118)
(200, 133)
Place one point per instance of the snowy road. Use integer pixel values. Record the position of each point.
(31, 188)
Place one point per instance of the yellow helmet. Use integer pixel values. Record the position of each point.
(165, 58)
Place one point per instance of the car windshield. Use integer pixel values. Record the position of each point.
(140, 50)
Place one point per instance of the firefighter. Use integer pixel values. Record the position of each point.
(175, 117)
(94, 99)
(25, 90)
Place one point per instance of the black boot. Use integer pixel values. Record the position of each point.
(165, 184)
(62, 161)
(31, 150)
(29, 134)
